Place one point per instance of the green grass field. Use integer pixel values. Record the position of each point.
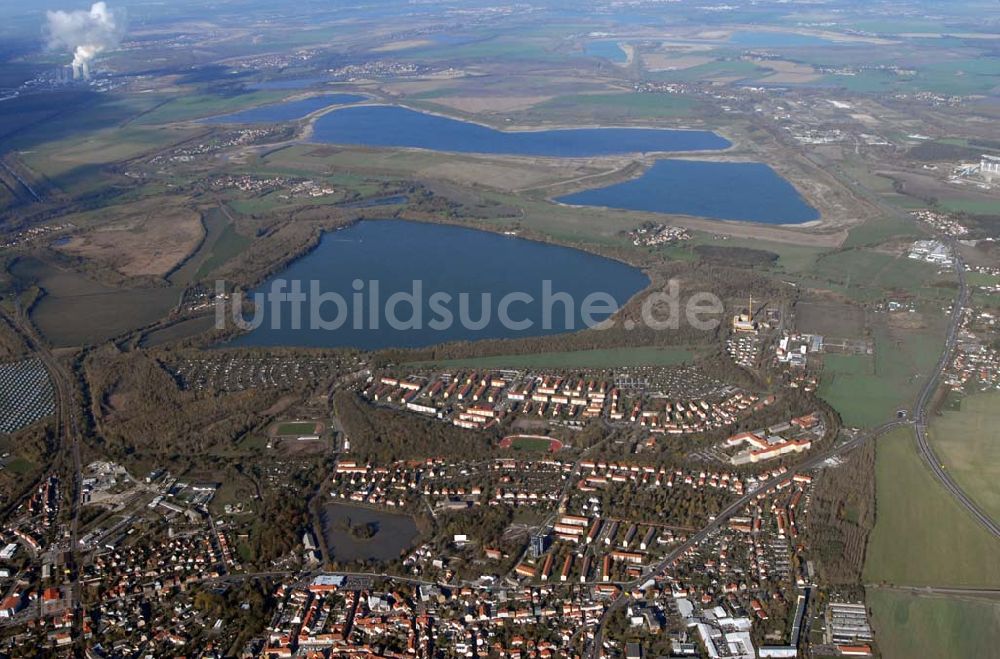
(968, 443)
(792, 259)
(711, 70)
(228, 245)
(880, 230)
(984, 207)
(20, 466)
(909, 626)
(981, 279)
(608, 358)
(922, 536)
(77, 310)
(195, 106)
(296, 428)
(495, 48)
(866, 274)
(531, 444)
(867, 390)
(624, 106)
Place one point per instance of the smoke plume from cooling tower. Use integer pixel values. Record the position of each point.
(84, 33)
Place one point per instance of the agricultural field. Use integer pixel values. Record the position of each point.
(867, 390)
(57, 159)
(922, 536)
(972, 206)
(714, 71)
(792, 258)
(867, 275)
(917, 625)
(187, 107)
(968, 443)
(835, 319)
(596, 359)
(229, 244)
(617, 106)
(77, 310)
(504, 174)
(881, 230)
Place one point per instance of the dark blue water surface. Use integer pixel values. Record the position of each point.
(609, 50)
(287, 111)
(448, 259)
(391, 126)
(720, 190)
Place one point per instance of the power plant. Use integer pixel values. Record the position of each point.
(86, 33)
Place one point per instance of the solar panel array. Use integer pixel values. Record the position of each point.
(26, 394)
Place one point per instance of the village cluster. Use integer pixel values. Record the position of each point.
(290, 188)
(218, 142)
(975, 364)
(236, 373)
(943, 223)
(19, 238)
(650, 235)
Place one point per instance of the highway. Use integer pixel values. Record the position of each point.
(927, 395)
(930, 387)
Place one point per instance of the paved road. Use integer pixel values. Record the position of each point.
(723, 517)
(927, 395)
(930, 387)
(919, 423)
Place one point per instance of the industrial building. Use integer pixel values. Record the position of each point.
(989, 167)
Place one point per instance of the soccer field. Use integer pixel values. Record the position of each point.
(297, 428)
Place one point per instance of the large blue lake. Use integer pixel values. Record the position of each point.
(720, 190)
(287, 111)
(446, 260)
(609, 50)
(391, 126)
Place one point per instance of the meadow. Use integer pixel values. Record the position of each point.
(77, 310)
(968, 443)
(617, 106)
(883, 229)
(866, 275)
(922, 536)
(910, 625)
(867, 390)
(290, 428)
(228, 245)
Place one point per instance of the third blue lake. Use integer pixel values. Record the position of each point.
(745, 191)
(609, 50)
(391, 126)
(447, 260)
